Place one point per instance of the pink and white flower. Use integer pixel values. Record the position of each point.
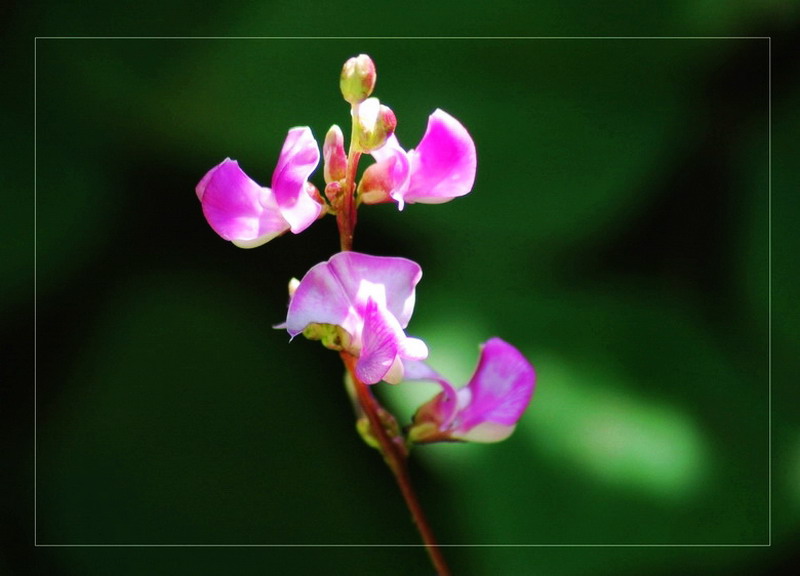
(371, 299)
(249, 215)
(486, 409)
(440, 168)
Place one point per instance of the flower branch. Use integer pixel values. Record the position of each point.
(358, 304)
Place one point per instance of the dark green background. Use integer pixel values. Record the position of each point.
(618, 233)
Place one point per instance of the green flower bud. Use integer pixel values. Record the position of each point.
(357, 79)
(390, 426)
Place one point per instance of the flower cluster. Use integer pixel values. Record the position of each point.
(358, 304)
(440, 168)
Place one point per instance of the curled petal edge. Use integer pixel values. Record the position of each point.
(237, 208)
(298, 159)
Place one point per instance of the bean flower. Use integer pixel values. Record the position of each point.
(440, 168)
(249, 215)
(486, 409)
(361, 304)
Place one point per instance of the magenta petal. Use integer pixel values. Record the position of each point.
(299, 157)
(391, 281)
(500, 389)
(381, 337)
(338, 291)
(200, 189)
(237, 208)
(443, 165)
(393, 164)
(320, 299)
(485, 410)
(418, 370)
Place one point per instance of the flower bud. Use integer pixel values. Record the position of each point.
(333, 192)
(376, 182)
(334, 155)
(374, 124)
(390, 426)
(357, 79)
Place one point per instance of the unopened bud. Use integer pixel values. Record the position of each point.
(376, 182)
(333, 192)
(335, 157)
(374, 123)
(357, 79)
(390, 427)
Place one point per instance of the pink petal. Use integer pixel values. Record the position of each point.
(299, 158)
(385, 346)
(338, 292)
(391, 172)
(320, 299)
(237, 208)
(381, 337)
(443, 165)
(500, 389)
(485, 410)
(391, 281)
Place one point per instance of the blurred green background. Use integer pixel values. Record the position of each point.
(618, 233)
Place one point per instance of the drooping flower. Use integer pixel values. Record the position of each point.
(361, 304)
(486, 409)
(440, 168)
(249, 215)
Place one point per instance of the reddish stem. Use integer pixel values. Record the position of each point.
(393, 451)
(395, 457)
(347, 216)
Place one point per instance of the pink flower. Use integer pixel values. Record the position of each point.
(440, 168)
(370, 299)
(249, 215)
(486, 409)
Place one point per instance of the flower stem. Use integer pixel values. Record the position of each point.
(393, 449)
(395, 456)
(346, 218)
